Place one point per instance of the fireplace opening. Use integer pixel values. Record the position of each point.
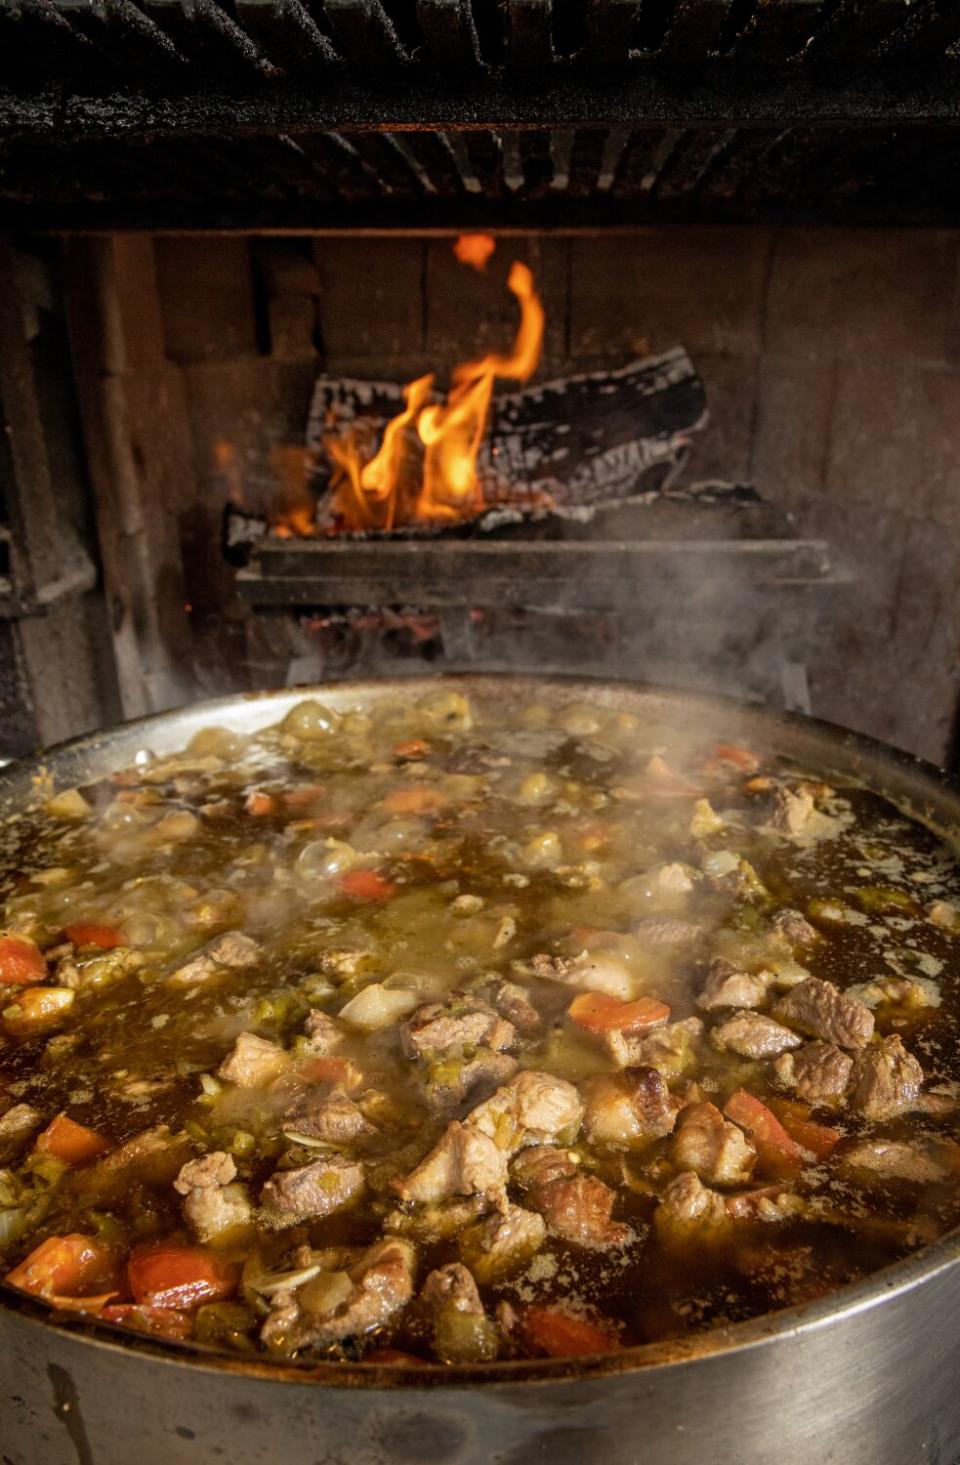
(719, 457)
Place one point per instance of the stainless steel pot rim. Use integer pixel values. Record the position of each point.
(918, 787)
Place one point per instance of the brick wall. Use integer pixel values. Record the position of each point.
(831, 359)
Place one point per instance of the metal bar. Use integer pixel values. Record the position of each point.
(340, 172)
(366, 34)
(39, 42)
(694, 32)
(202, 32)
(485, 151)
(586, 160)
(127, 40)
(916, 201)
(646, 97)
(381, 154)
(732, 167)
(433, 154)
(777, 31)
(536, 161)
(449, 33)
(922, 40)
(640, 160)
(853, 31)
(610, 28)
(286, 34)
(529, 33)
(445, 572)
(689, 161)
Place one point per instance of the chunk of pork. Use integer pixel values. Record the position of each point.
(670, 1048)
(212, 1204)
(819, 1073)
(230, 951)
(449, 1027)
(17, 1126)
(753, 1036)
(820, 1010)
(712, 1147)
(464, 1161)
(886, 1080)
(591, 971)
(727, 986)
(579, 1209)
(310, 1191)
(503, 1243)
(452, 1286)
(531, 1108)
(329, 1308)
(628, 1108)
(253, 1061)
(688, 1210)
(329, 1116)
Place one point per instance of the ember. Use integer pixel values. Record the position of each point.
(425, 470)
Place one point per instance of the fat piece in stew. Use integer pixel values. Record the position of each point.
(453, 1031)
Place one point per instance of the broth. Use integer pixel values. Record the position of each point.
(449, 1032)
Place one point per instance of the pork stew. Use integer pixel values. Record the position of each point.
(452, 1031)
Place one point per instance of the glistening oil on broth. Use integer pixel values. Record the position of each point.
(455, 1031)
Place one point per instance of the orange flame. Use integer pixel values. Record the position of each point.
(297, 516)
(474, 250)
(367, 492)
(373, 494)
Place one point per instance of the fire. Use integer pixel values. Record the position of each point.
(425, 469)
(475, 250)
(297, 509)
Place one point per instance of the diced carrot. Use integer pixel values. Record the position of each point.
(91, 934)
(367, 885)
(72, 1142)
(411, 749)
(36, 1010)
(762, 1125)
(305, 796)
(259, 803)
(163, 1322)
(331, 1070)
(562, 1336)
(739, 756)
(819, 1139)
(418, 798)
(21, 961)
(179, 1276)
(599, 1013)
(70, 1270)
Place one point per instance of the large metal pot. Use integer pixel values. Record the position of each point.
(866, 1376)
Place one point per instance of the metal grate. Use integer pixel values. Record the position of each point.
(840, 44)
(562, 178)
(334, 112)
(129, 42)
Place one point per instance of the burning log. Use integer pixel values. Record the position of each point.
(597, 437)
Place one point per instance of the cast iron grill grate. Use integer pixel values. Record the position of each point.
(185, 42)
(315, 113)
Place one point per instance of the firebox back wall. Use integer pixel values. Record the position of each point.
(831, 360)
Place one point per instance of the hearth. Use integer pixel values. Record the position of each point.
(238, 232)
